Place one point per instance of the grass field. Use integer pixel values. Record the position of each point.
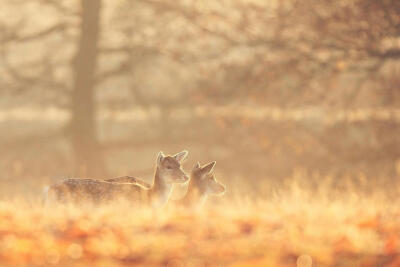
(293, 229)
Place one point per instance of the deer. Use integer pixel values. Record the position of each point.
(202, 184)
(130, 180)
(168, 172)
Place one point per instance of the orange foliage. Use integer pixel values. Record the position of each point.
(265, 235)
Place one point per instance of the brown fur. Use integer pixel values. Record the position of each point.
(129, 180)
(202, 184)
(168, 171)
(96, 191)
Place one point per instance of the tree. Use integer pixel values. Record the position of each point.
(78, 94)
(83, 122)
(285, 54)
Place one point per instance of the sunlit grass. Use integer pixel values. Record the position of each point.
(288, 229)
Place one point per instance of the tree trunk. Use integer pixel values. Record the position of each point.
(88, 159)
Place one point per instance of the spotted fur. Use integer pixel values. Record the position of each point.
(168, 172)
(130, 180)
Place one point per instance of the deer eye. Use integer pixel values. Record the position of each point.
(169, 167)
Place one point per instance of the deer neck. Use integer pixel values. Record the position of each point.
(193, 195)
(160, 191)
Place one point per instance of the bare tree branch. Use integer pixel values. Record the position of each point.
(121, 69)
(57, 5)
(45, 78)
(37, 35)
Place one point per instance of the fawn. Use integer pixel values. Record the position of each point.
(202, 184)
(168, 171)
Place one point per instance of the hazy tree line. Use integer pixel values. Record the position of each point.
(290, 54)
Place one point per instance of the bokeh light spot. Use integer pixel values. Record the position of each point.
(74, 251)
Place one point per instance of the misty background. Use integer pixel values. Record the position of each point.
(269, 89)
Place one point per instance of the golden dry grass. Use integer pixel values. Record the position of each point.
(290, 230)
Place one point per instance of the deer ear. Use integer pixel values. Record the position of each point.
(221, 189)
(196, 166)
(209, 167)
(160, 157)
(181, 155)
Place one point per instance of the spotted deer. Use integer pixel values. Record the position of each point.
(201, 185)
(168, 172)
(130, 180)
